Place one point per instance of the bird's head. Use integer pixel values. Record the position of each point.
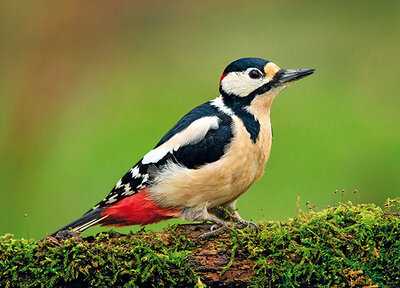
(246, 78)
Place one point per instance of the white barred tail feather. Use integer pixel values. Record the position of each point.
(81, 224)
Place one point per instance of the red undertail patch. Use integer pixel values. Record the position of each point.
(137, 209)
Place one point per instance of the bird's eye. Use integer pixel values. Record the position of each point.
(254, 74)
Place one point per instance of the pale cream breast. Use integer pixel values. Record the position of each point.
(222, 181)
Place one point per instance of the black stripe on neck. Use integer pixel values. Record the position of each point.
(239, 104)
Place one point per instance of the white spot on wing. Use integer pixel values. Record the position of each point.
(127, 187)
(135, 172)
(112, 199)
(119, 184)
(193, 134)
(145, 178)
(127, 193)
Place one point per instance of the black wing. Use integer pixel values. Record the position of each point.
(209, 149)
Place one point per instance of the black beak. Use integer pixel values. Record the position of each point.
(288, 75)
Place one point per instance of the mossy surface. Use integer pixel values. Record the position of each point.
(108, 260)
(345, 246)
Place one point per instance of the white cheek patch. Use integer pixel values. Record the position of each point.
(193, 134)
(240, 84)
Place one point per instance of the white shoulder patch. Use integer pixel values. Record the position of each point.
(193, 134)
(154, 155)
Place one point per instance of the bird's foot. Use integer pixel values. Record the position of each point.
(221, 226)
(241, 224)
(217, 229)
(213, 233)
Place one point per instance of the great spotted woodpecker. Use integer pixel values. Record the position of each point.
(206, 161)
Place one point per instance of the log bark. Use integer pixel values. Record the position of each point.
(214, 263)
(344, 246)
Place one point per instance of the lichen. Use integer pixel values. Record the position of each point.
(345, 246)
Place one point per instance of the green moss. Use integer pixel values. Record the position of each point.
(107, 261)
(346, 246)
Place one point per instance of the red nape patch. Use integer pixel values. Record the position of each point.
(222, 78)
(137, 209)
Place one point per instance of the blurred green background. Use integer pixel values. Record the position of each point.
(88, 87)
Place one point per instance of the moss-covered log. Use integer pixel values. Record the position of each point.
(345, 246)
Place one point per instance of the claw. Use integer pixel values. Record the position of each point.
(243, 223)
(214, 227)
(254, 225)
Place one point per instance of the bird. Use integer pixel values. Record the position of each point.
(206, 161)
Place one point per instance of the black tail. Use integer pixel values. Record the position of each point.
(81, 224)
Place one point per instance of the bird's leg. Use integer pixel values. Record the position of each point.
(229, 212)
(221, 212)
(241, 223)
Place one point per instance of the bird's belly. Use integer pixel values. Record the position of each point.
(216, 183)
